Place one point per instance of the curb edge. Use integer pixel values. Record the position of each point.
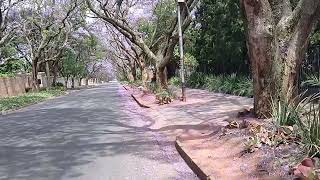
(140, 104)
(194, 167)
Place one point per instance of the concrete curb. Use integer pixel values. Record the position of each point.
(125, 87)
(194, 167)
(139, 102)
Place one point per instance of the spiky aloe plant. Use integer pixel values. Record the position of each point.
(290, 112)
(312, 80)
(311, 130)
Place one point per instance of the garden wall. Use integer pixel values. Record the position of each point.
(13, 86)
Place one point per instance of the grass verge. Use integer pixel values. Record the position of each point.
(229, 84)
(16, 102)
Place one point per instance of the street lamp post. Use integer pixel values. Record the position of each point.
(183, 85)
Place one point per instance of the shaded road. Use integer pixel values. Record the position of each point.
(93, 134)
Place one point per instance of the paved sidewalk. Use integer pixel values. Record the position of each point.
(203, 113)
(197, 124)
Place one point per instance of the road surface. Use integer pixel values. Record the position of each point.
(92, 134)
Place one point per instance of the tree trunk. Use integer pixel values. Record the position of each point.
(55, 76)
(162, 78)
(48, 75)
(277, 39)
(72, 83)
(134, 72)
(79, 83)
(259, 42)
(87, 81)
(66, 82)
(144, 73)
(35, 84)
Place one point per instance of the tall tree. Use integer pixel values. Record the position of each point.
(278, 34)
(218, 40)
(161, 50)
(46, 30)
(8, 26)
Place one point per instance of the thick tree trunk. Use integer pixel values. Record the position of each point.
(162, 80)
(277, 39)
(259, 42)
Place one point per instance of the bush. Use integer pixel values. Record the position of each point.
(229, 84)
(305, 114)
(311, 131)
(309, 124)
(196, 80)
(175, 81)
(164, 97)
(59, 84)
(136, 83)
(7, 75)
(284, 113)
(312, 81)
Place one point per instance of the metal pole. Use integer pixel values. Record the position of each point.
(183, 98)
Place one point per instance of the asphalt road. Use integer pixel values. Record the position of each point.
(92, 134)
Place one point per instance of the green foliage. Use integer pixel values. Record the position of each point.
(311, 130)
(7, 75)
(220, 43)
(285, 113)
(13, 64)
(163, 13)
(72, 66)
(315, 38)
(59, 84)
(164, 93)
(153, 87)
(197, 80)
(303, 113)
(164, 96)
(135, 83)
(175, 81)
(312, 80)
(229, 84)
(11, 103)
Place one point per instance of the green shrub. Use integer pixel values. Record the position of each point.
(196, 80)
(7, 75)
(311, 131)
(309, 124)
(284, 113)
(175, 81)
(305, 114)
(312, 81)
(229, 84)
(59, 84)
(136, 83)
